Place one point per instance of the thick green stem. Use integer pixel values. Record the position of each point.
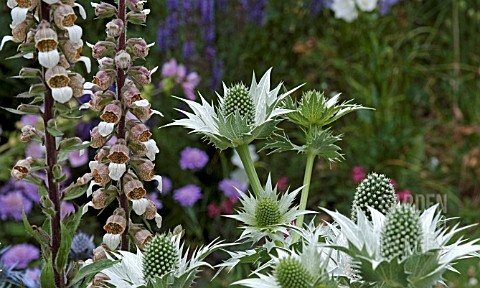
(249, 168)
(306, 187)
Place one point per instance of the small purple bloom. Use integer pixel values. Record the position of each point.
(166, 184)
(230, 186)
(76, 160)
(30, 120)
(20, 255)
(169, 69)
(28, 189)
(35, 150)
(187, 195)
(66, 208)
(193, 159)
(154, 198)
(385, 6)
(12, 204)
(83, 130)
(31, 278)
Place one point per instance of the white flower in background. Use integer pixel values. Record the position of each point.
(345, 9)
(367, 5)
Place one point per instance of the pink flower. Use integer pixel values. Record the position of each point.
(282, 183)
(394, 183)
(404, 196)
(169, 69)
(213, 210)
(358, 174)
(227, 205)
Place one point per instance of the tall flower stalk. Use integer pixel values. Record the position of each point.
(124, 160)
(46, 31)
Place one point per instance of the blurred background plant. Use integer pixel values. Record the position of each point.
(414, 61)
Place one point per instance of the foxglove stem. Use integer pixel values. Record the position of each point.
(247, 162)
(121, 125)
(306, 187)
(51, 155)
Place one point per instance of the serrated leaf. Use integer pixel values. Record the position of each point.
(424, 270)
(389, 274)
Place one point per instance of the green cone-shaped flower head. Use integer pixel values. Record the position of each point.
(160, 257)
(238, 100)
(267, 212)
(401, 234)
(375, 191)
(290, 273)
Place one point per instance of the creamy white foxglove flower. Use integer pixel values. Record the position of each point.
(81, 10)
(268, 214)
(112, 240)
(367, 5)
(152, 149)
(139, 206)
(105, 128)
(18, 15)
(345, 9)
(116, 170)
(75, 33)
(242, 115)
(62, 95)
(12, 4)
(49, 59)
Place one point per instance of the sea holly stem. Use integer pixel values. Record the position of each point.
(247, 162)
(121, 125)
(305, 190)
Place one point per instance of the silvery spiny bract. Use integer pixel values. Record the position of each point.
(375, 191)
(240, 118)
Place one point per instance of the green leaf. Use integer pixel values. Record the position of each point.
(90, 270)
(76, 147)
(47, 278)
(424, 269)
(73, 192)
(18, 112)
(52, 128)
(389, 274)
(68, 227)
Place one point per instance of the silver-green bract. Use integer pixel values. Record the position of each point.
(225, 126)
(375, 191)
(418, 268)
(267, 215)
(130, 272)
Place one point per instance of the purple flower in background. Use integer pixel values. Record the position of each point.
(189, 85)
(35, 150)
(166, 184)
(188, 49)
(169, 69)
(12, 204)
(385, 6)
(28, 189)
(30, 120)
(20, 255)
(317, 5)
(193, 159)
(82, 246)
(77, 160)
(31, 278)
(230, 186)
(154, 198)
(66, 208)
(187, 195)
(83, 130)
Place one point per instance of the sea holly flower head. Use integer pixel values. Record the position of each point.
(267, 215)
(160, 257)
(241, 117)
(388, 249)
(375, 191)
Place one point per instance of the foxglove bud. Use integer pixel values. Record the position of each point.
(142, 237)
(22, 168)
(112, 113)
(292, 274)
(86, 178)
(138, 18)
(116, 223)
(103, 49)
(267, 212)
(122, 60)
(145, 169)
(100, 280)
(72, 50)
(28, 132)
(104, 10)
(63, 62)
(19, 32)
(135, 5)
(104, 79)
(375, 191)
(134, 189)
(64, 16)
(143, 113)
(140, 75)
(160, 257)
(100, 99)
(100, 253)
(114, 28)
(140, 133)
(58, 80)
(401, 234)
(138, 47)
(97, 139)
(131, 94)
(151, 210)
(106, 63)
(102, 154)
(102, 197)
(76, 83)
(46, 41)
(100, 173)
(238, 100)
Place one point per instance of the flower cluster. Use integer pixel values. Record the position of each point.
(121, 168)
(347, 9)
(174, 73)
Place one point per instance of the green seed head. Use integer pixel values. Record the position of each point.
(238, 100)
(375, 191)
(401, 234)
(160, 257)
(290, 273)
(267, 212)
